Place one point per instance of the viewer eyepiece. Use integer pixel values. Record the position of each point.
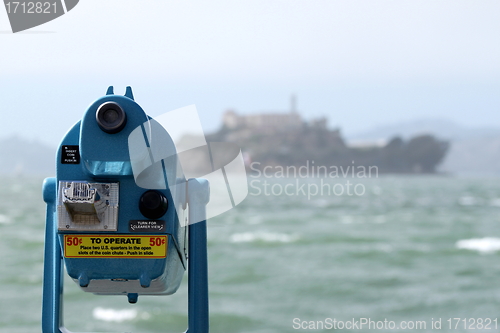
(110, 117)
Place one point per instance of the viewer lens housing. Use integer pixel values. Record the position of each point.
(110, 117)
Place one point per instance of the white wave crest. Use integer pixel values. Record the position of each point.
(468, 201)
(262, 236)
(114, 315)
(482, 245)
(4, 219)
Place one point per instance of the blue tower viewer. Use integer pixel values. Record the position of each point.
(114, 236)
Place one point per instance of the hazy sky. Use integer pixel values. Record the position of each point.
(361, 63)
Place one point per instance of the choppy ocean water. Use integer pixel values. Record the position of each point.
(408, 249)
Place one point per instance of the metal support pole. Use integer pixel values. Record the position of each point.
(52, 319)
(198, 196)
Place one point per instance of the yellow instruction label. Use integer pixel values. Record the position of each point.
(116, 246)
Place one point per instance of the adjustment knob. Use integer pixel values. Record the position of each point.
(153, 204)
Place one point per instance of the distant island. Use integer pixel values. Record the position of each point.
(285, 139)
(21, 157)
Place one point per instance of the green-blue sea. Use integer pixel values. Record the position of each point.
(419, 248)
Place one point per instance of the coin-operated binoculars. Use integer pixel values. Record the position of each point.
(121, 224)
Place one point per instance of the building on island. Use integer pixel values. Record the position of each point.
(269, 122)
